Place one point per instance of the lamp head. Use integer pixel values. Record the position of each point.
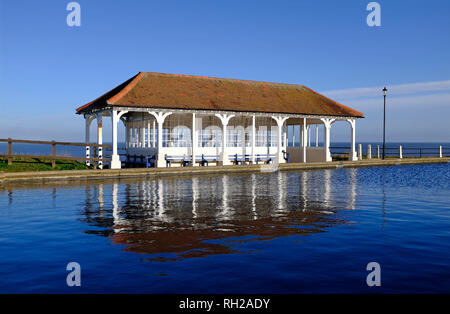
(385, 91)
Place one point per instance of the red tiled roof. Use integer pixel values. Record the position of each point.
(173, 91)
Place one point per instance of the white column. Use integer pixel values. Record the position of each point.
(440, 151)
(224, 155)
(88, 120)
(280, 122)
(307, 136)
(279, 149)
(253, 139)
(352, 155)
(400, 152)
(160, 117)
(144, 126)
(369, 151)
(149, 142)
(304, 140)
(100, 139)
(194, 140)
(160, 161)
(224, 118)
(360, 154)
(115, 158)
(327, 126)
(154, 134)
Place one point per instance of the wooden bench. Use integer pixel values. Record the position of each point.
(186, 160)
(135, 161)
(266, 158)
(181, 159)
(206, 159)
(239, 159)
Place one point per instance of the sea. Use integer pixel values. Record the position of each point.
(410, 149)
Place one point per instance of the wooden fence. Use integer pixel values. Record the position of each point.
(399, 151)
(53, 157)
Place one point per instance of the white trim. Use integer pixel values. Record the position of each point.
(223, 112)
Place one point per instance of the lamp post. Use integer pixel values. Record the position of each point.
(384, 122)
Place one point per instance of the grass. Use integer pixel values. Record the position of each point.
(27, 164)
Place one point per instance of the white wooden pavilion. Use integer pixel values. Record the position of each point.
(168, 115)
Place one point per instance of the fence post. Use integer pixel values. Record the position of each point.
(9, 152)
(440, 151)
(360, 152)
(100, 153)
(53, 154)
(88, 155)
(378, 151)
(400, 152)
(369, 151)
(95, 156)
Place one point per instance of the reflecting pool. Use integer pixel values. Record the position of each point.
(281, 232)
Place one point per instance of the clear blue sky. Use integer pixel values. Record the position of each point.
(47, 69)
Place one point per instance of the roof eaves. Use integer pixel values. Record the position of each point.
(133, 81)
(355, 112)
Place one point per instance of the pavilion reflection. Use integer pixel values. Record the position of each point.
(175, 218)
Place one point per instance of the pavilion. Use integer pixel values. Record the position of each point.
(181, 115)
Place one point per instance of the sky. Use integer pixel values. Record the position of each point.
(48, 69)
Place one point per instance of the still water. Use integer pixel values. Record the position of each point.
(282, 232)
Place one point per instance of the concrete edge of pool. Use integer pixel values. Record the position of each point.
(77, 175)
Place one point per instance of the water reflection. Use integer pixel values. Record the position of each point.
(175, 218)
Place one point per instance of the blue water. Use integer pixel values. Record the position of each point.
(288, 232)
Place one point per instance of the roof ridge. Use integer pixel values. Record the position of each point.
(223, 78)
